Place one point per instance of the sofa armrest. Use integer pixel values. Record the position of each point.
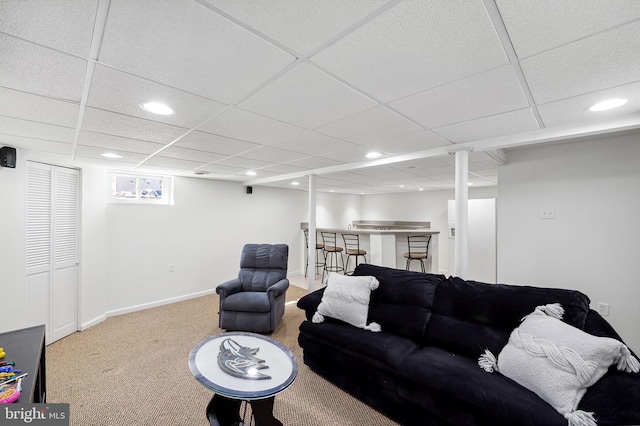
(309, 303)
(229, 287)
(278, 289)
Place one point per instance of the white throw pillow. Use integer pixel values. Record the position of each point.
(558, 361)
(346, 298)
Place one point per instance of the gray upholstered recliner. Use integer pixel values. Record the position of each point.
(255, 300)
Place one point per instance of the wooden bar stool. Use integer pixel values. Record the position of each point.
(319, 256)
(418, 249)
(352, 249)
(331, 254)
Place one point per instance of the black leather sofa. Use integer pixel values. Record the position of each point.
(422, 368)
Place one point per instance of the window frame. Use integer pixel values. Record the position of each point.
(166, 197)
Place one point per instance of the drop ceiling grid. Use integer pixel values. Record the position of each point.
(363, 80)
(187, 46)
(388, 56)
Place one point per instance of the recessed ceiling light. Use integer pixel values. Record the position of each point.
(251, 173)
(608, 104)
(420, 189)
(295, 183)
(111, 155)
(200, 172)
(157, 108)
(374, 154)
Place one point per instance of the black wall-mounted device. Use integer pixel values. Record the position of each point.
(249, 189)
(8, 157)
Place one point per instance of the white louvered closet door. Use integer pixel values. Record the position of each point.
(52, 235)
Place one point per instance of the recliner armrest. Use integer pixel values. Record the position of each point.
(229, 287)
(278, 289)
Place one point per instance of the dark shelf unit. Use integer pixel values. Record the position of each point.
(27, 348)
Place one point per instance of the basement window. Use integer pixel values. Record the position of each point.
(146, 189)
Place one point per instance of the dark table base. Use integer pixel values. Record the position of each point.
(223, 411)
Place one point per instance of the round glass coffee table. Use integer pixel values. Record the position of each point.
(241, 366)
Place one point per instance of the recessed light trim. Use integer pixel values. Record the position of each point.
(374, 154)
(295, 183)
(608, 104)
(251, 173)
(157, 108)
(111, 155)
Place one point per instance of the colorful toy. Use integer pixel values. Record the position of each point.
(9, 393)
(2, 353)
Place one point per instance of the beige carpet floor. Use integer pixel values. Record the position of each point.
(133, 370)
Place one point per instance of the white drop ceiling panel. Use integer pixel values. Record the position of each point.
(605, 60)
(536, 26)
(36, 145)
(27, 106)
(274, 155)
(174, 163)
(244, 125)
(411, 142)
(185, 45)
(576, 110)
(370, 126)
(67, 26)
(100, 121)
(117, 144)
(191, 154)
(311, 163)
(415, 46)
(120, 92)
(312, 143)
(35, 69)
(92, 153)
(244, 163)
(213, 143)
(508, 123)
(300, 24)
(35, 130)
(489, 93)
(307, 97)
(222, 170)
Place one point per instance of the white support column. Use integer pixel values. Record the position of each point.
(462, 213)
(311, 268)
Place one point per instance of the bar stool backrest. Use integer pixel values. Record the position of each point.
(329, 241)
(351, 243)
(418, 244)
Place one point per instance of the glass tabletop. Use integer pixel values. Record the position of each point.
(243, 365)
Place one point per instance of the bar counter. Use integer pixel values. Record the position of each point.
(385, 247)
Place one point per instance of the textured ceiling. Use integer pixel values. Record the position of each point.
(290, 88)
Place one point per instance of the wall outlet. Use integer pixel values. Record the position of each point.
(547, 213)
(603, 309)
(172, 267)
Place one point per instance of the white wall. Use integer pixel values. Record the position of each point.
(337, 210)
(421, 206)
(12, 245)
(593, 244)
(201, 235)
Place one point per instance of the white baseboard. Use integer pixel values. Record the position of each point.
(93, 322)
(157, 303)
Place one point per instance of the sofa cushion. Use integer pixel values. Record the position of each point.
(347, 299)
(557, 361)
(469, 317)
(382, 350)
(246, 301)
(403, 301)
(437, 370)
